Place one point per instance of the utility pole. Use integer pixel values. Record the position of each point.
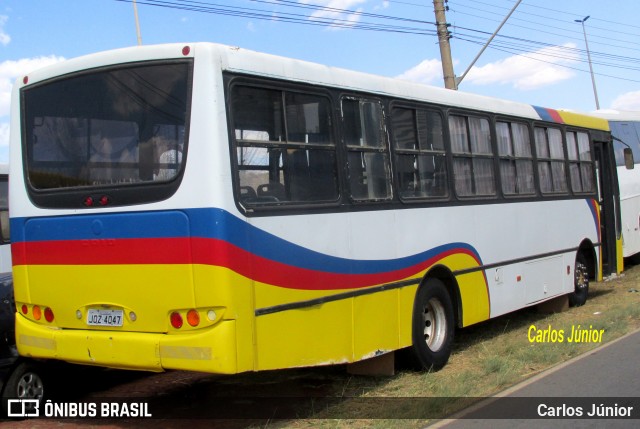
(593, 79)
(445, 48)
(135, 14)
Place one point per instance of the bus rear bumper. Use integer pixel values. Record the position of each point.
(212, 350)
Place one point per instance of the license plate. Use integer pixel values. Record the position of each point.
(99, 317)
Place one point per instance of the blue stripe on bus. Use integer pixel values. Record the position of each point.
(214, 224)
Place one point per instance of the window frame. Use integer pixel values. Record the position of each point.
(117, 194)
(419, 151)
(284, 88)
(490, 158)
(580, 162)
(549, 159)
(514, 157)
(384, 149)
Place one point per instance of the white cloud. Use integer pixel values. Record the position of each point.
(333, 14)
(4, 37)
(529, 71)
(628, 101)
(526, 72)
(9, 71)
(426, 72)
(384, 5)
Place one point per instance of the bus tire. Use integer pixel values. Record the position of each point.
(581, 282)
(433, 325)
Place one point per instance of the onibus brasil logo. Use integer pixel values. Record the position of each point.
(34, 408)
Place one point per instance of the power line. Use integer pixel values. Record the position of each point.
(288, 11)
(575, 34)
(262, 14)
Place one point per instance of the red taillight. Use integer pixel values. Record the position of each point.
(193, 318)
(24, 309)
(48, 314)
(37, 313)
(176, 320)
(88, 201)
(104, 200)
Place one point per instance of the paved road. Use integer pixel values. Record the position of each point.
(608, 375)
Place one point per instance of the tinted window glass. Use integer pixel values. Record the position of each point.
(114, 127)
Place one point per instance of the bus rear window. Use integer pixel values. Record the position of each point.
(108, 129)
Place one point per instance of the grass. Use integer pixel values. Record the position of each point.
(487, 358)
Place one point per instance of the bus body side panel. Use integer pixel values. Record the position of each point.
(322, 328)
(630, 208)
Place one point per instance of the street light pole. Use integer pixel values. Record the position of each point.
(135, 15)
(593, 79)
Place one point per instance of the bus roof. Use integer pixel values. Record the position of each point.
(245, 61)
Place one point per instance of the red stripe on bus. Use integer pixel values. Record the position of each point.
(555, 116)
(212, 252)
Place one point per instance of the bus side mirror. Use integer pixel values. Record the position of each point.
(628, 158)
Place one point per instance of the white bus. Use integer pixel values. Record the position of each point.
(210, 208)
(625, 128)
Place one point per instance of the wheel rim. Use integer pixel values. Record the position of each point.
(582, 276)
(435, 324)
(30, 387)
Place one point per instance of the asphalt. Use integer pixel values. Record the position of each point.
(607, 378)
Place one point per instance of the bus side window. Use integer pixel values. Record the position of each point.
(284, 146)
(368, 152)
(4, 211)
(420, 156)
(516, 159)
(5, 235)
(472, 156)
(551, 162)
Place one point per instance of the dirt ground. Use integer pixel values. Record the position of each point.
(205, 400)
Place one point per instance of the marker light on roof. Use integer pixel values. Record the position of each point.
(186, 50)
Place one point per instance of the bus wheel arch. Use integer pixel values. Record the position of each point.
(434, 320)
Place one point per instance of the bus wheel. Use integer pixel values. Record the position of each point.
(581, 282)
(432, 325)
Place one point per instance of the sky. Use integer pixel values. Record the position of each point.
(538, 57)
